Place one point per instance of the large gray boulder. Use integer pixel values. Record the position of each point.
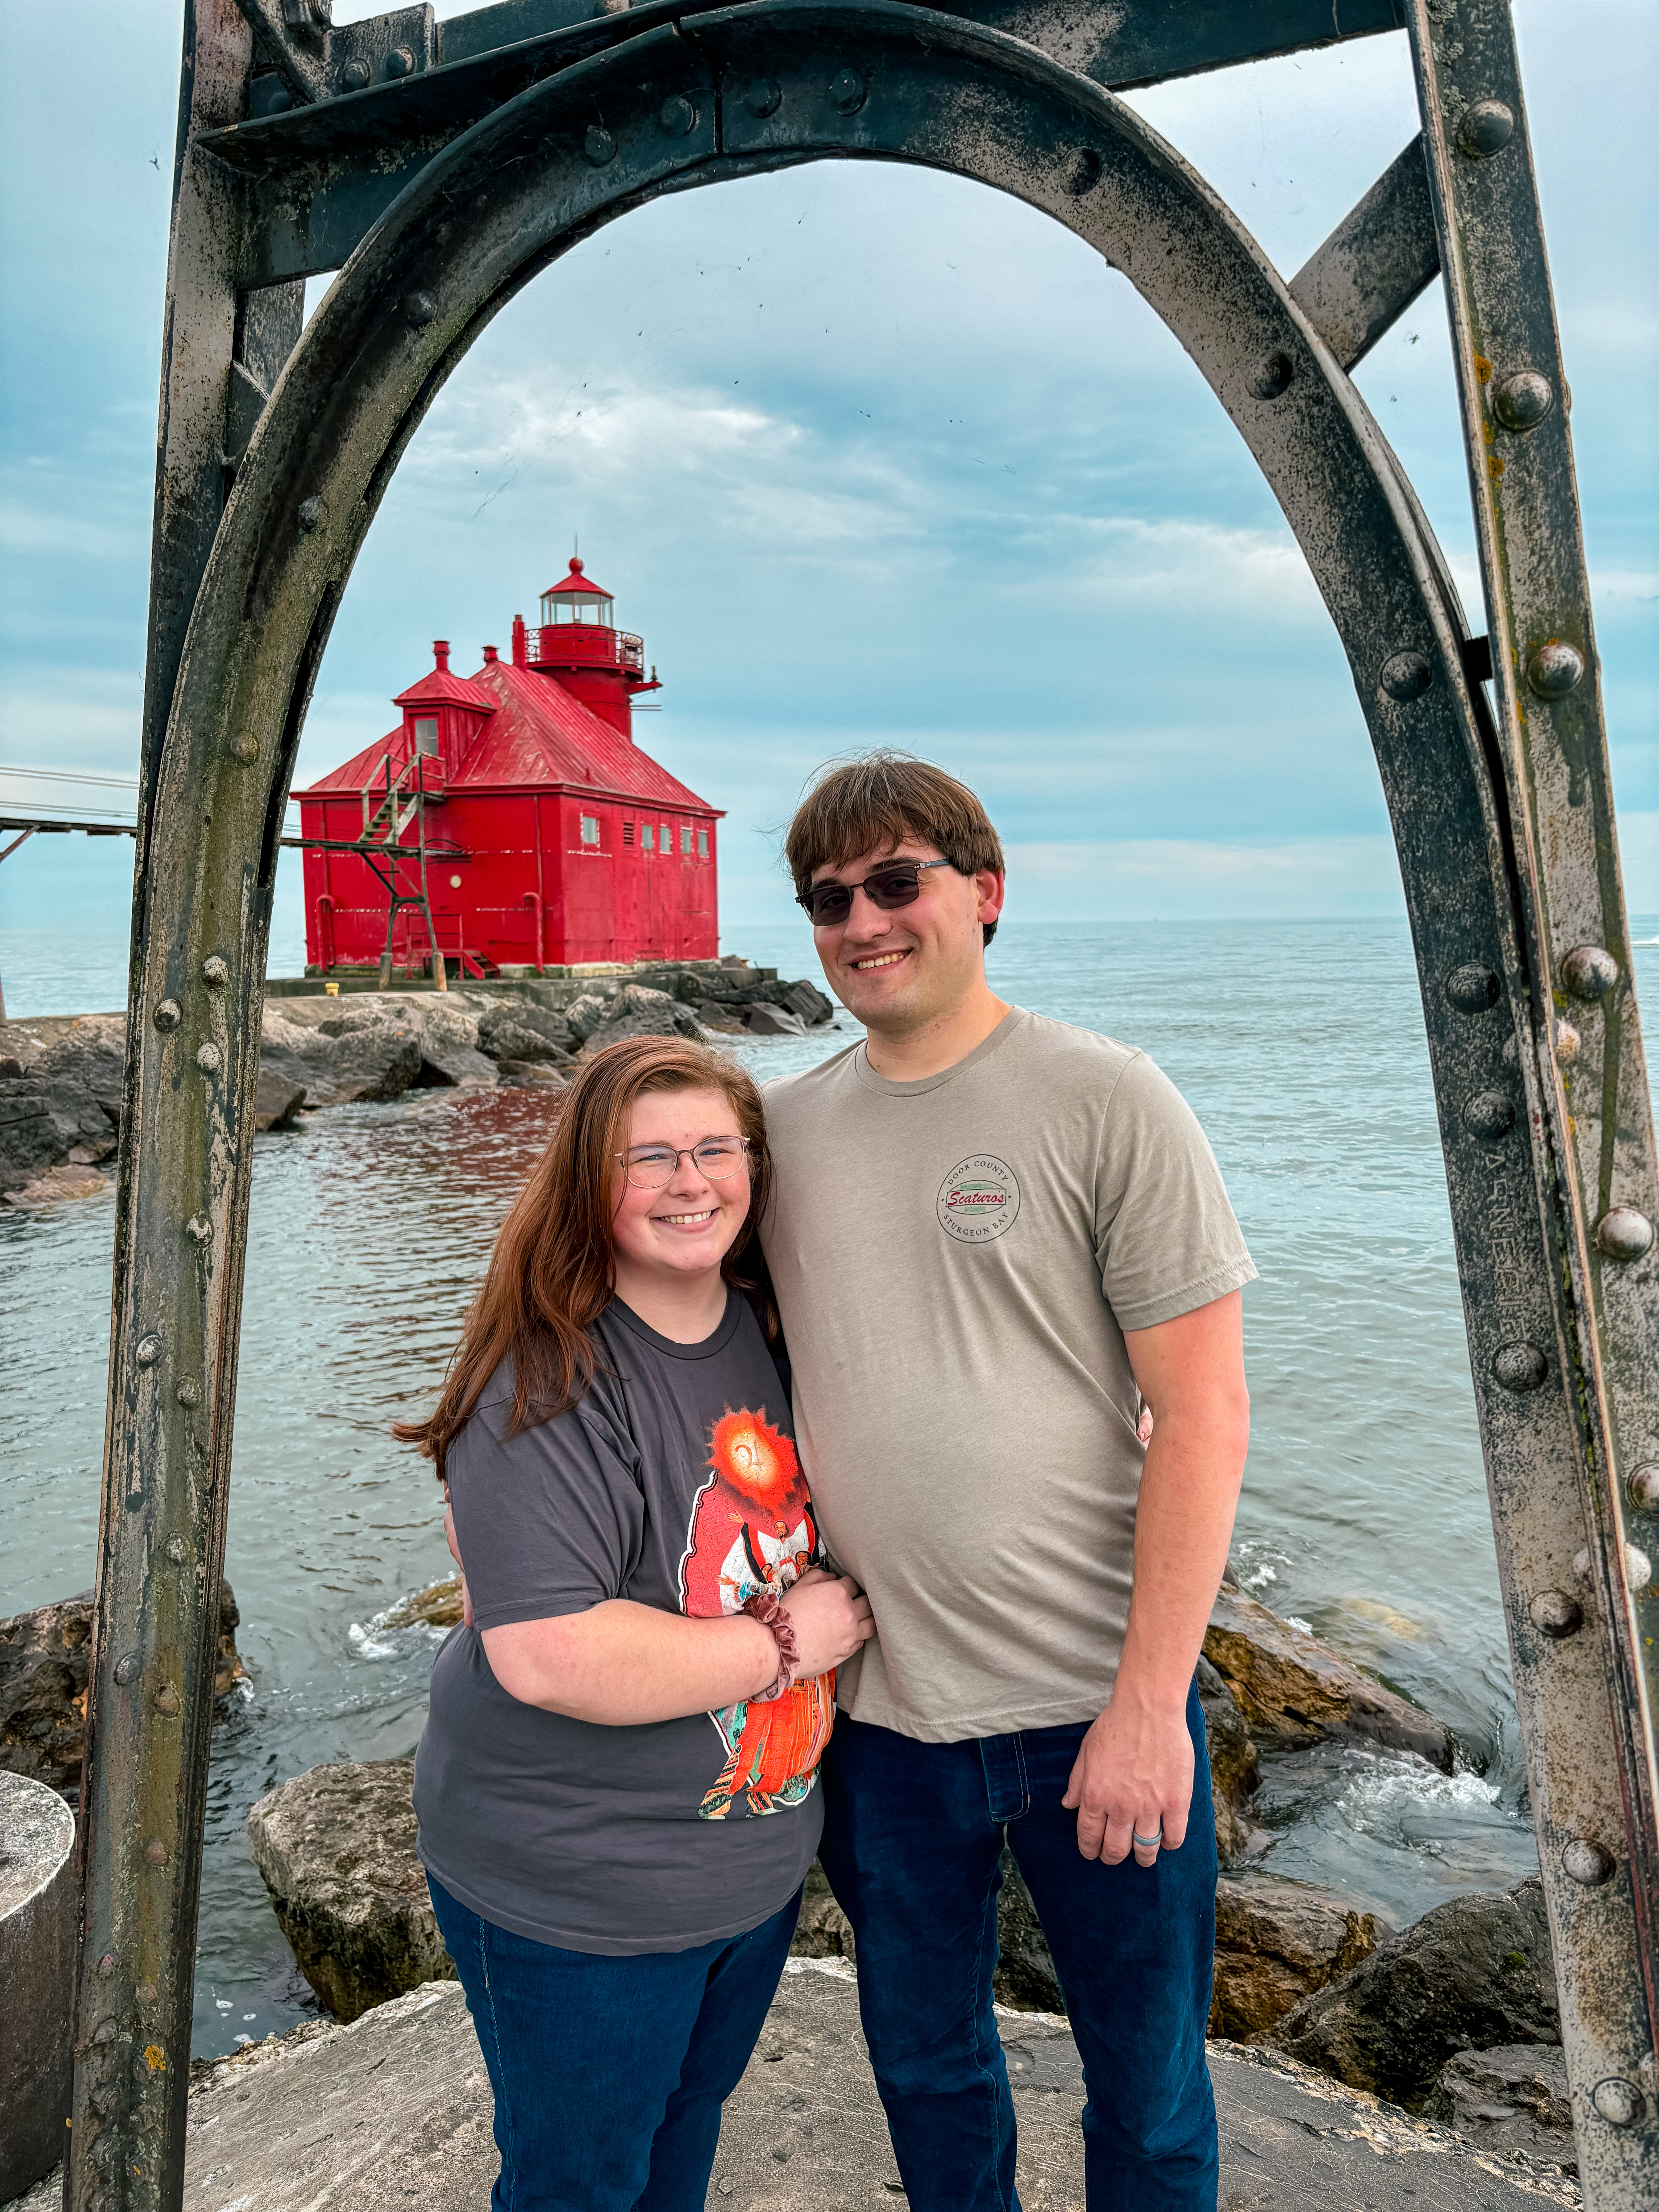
(635, 1011)
(508, 1030)
(763, 1018)
(1275, 1943)
(372, 1055)
(1475, 1972)
(46, 1120)
(1514, 2098)
(45, 1656)
(396, 2110)
(91, 1051)
(1294, 1690)
(336, 1847)
(1235, 1770)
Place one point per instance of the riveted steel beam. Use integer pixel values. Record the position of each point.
(1599, 1181)
(1381, 257)
(322, 175)
(718, 95)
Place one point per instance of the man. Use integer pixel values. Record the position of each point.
(999, 1242)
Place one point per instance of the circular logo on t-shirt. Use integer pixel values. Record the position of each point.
(979, 1200)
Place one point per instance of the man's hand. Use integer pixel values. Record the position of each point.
(831, 1618)
(1133, 1776)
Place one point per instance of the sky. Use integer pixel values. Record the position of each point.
(868, 455)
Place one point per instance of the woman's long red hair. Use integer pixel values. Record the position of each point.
(552, 1273)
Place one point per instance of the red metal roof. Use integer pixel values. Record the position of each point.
(441, 688)
(540, 738)
(576, 582)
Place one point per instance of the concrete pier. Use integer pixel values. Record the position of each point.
(395, 2110)
(37, 1898)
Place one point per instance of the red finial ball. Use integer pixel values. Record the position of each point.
(575, 566)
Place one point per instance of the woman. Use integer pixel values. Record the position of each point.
(615, 1788)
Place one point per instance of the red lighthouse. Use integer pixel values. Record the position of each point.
(510, 821)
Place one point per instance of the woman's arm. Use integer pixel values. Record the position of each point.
(623, 1664)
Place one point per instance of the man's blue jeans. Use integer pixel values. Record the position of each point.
(913, 1838)
(609, 2074)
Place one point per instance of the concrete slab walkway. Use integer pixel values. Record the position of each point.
(394, 2111)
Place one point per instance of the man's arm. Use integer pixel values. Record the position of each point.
(1134, 1769)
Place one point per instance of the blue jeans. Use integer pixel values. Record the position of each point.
(913, 1838)
(609, 2074)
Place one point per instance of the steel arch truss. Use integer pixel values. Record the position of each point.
(449, 184)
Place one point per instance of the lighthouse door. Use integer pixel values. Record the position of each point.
(659, 922)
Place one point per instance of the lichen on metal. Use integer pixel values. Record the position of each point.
(275, 448)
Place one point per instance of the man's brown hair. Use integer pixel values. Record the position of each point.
(873, 803)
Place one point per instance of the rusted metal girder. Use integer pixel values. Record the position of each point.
(263, 505)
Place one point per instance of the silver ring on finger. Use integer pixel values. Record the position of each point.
(1148, 1842)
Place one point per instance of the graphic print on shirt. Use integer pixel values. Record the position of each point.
(753, 1534)
(979, 1200)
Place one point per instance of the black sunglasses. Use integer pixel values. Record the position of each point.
(900, 884)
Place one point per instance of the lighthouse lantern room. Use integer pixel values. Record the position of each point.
(509, 821)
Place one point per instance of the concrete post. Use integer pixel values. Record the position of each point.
(38, 1899)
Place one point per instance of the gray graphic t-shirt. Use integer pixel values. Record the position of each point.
(674, 1483)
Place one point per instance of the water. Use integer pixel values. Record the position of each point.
(1364, 1513)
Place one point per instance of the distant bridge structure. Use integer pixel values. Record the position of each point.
(439, 168)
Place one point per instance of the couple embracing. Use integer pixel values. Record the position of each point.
(849, 1475)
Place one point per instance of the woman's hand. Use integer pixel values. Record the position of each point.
(455, 1554)
(831, 1618)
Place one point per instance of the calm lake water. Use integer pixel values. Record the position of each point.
(1364, 1513)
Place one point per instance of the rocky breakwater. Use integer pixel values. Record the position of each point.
(45, 1655)
(61, 1080)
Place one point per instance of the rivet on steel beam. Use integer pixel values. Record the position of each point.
(167, 1701)
(147, 1993)
(244, 749)
(1588, 972)
(104, 2031)
(763, 97)
(148, 1350)
(156, 1851)
(1405, 675)
(1489, 1114)
(677, 115)
(1519, 1367)
(127, 1670)
(1273, 376)
(614, 6)
(1623, 1233)
(215, 973)
(420, 308)
(1587, 1863)
(208, 1057)
(1555, 668)
(1644, 1486)
(279, 102)
(1082, 171)
(1522, 402)
(598, 146)
(1473, 989)
(1620, 2103)
(399, 61)
(1486, 128)
(106, 1965)
(1639, 1568)
(189, 1393)
(168, 1014)
(1567, 1041)
(310, 513)
(198, 1229)
(849, 91)
(176, 1551)
(1557, 1615)
(355, 75)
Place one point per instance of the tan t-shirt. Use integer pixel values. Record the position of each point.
(963, 1402)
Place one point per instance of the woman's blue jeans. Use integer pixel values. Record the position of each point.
(609, 2074)
(913, 1840)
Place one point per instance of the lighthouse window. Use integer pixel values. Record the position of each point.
(648, 839)
(590, 828)
(426, 735)
(685, 839)
(628, 833)
(702, 844)
(667, 838)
